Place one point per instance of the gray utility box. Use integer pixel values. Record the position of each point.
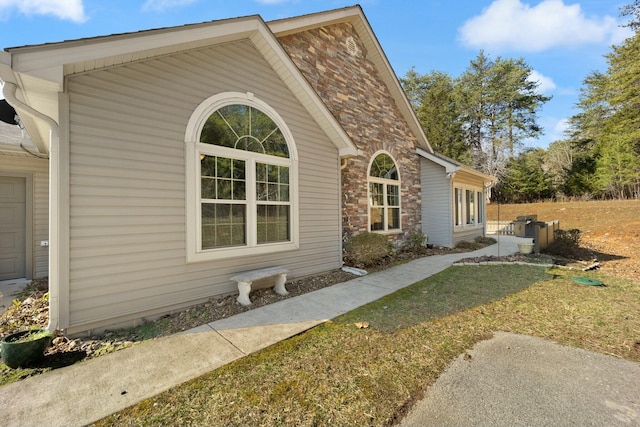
(525, 226)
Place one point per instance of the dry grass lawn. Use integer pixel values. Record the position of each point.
(339, 374)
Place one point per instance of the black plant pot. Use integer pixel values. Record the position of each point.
(18, 350)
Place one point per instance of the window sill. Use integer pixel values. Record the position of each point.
(468, 227)
(227, 253)
(387, 233)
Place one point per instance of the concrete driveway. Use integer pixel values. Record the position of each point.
(515, 380)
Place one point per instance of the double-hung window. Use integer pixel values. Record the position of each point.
(384, 195)
(241, 185)
(458, 206)
(468, 209)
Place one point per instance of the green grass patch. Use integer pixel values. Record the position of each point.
(338, 374)
(453, 290)
(9, 375)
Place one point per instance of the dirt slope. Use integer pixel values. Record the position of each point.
(610, 228)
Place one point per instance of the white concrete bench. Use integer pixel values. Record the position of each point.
(245, 279)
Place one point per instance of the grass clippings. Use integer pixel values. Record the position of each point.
(341, 374)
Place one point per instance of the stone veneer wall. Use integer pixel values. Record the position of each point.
(334, 61)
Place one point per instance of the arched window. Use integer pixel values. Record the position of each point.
(242, 173)
(384, 194)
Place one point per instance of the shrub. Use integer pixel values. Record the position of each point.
(467, 245)
(366, 249)
(483, 240)
(566, 243)
(478, 243)
(415, 242)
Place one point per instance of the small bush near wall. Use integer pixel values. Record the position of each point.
(478, 243)
(416, 241)
(366, 249)
(483, 240)
(566, 243)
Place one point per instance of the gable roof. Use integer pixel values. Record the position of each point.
(39, 70)
(356, 17)
(452, 166)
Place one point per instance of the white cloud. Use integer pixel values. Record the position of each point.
(545, 84)
(162, 5)
(514, 25)
(554, 129)
(620, 34)
(559, 129)
(71, 10)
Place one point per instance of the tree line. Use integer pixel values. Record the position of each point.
(482, 118)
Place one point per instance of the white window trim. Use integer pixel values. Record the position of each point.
(477, 208)
(371, 179)
(193, 150)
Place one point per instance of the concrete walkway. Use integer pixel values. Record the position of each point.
(88, 391)
(517, 381)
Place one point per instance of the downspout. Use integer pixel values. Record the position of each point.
(9, 92)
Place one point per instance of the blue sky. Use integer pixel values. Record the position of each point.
(562, 40)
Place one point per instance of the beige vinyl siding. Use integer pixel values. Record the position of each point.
(127, 177)
(38, 170)
(436, 203)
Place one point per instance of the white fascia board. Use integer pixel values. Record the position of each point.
(286, 26)
(5, 58)
(46, 62)
(6, 73)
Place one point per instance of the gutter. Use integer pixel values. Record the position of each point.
(9, 92)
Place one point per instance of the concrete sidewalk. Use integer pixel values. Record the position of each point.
(88, 391)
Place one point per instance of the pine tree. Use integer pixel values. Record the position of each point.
(434, 98)
(499, 104)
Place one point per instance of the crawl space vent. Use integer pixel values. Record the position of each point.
(352, 47)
